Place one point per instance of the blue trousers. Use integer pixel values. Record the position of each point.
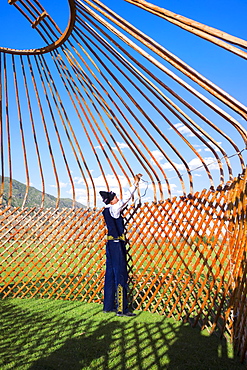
(116, 277)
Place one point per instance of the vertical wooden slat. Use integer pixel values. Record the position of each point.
(9, 157)
(34, 133)
(43, 119)
(55, 124)
(23, 141)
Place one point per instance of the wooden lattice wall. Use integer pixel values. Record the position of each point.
(94, 87)
(186, 256)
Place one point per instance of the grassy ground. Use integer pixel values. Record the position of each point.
(62, 335)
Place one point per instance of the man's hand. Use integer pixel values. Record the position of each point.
(137, 178)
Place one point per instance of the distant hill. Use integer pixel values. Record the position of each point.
(34, 197)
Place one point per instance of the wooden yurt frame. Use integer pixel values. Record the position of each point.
(186, 254)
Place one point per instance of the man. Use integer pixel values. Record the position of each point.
(116, 275)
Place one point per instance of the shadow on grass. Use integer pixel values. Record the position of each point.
(48, 335)
(78, 353)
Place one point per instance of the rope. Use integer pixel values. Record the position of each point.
(213, 162)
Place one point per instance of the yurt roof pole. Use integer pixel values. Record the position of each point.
(209, 33)
(155, 62)
(160, 95)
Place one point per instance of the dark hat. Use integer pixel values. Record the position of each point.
(107, 196)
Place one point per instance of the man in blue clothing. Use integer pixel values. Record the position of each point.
(116, 275)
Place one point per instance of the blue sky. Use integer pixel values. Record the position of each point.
(221, 67)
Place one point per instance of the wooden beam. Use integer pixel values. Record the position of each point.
(194, 26)
(39, 19)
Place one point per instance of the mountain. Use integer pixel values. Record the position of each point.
(34, 197)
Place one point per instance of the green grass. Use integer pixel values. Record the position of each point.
(43, 334)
